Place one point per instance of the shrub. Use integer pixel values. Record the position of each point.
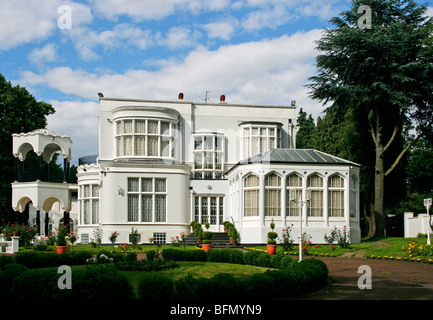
(155, 287)
(184, 255)
(264, 260)
(7, 277)
(50, 259)
(287, 262)
(4, 260)
(90, 283)
(250, 257)
(224, 286)
(61, 236)
(131, 257)
(225, 255)
(190, 288)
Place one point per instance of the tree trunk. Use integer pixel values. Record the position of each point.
(379, 183)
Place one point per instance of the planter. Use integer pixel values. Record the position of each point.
(235, 243)
(61, 249)
(272, 248)
(14, 233)
(206, 247)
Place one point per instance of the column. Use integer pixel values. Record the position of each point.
(262, 200)
(283, 201)
(38, 220)
(38, 177)
(325, 201)
(47, 219)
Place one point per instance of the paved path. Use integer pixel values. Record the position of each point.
(391, 280)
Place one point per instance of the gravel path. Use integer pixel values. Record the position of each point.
(391, 280)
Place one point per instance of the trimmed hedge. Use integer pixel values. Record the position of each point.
(184, 255)
(90, 283)
(272, 284)
(290, 277)
(50, 259)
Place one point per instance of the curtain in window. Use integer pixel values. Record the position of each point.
(146, 208)
(152, 127)
(140, 126)
(146, 185)
(251, 203)
(152, 147)
(336, 203)
(86, 212)
(127, 145)
(140, 145)
(160, 208)
(95, 211)
(160, 185)
(132, 208)
(133, 184)
(316, 203)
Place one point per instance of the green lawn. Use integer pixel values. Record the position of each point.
(196, 269)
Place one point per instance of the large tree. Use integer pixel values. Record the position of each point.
(19, 112)
(383, 72)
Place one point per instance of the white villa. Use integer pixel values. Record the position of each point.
(163, 164)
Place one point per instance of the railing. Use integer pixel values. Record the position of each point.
(11, 246)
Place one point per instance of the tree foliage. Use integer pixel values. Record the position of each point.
(19, 112)
(383, 74)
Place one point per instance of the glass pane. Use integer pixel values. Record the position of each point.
(146, 185)
(294, 181)
(132, 208)
(95, 190)
(127, 145)
(165, 147)
(146, 207)
(127, 126)
(152, 127)
(165, 128)
(119, 127)
(160, 208)
(315, 181)
(152, 147)
(160, 185)
(140, 126)
(133, 184)
(198, 143)
(140, 143)
(95, 211)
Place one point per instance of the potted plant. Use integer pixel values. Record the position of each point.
(199, 234)
(235, 236)
(271, 246)
(61, 241)
(207, 240)
(227, 225)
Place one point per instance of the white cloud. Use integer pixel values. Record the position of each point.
(24, 21)
(262, 72)
(282, 65)
(47, 53)
(87, 41)
(84, 133)
(223, 29)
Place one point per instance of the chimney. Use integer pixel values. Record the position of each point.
(222, 98)
(293, 103)
(181, 96)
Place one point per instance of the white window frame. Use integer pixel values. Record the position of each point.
(120, 138)
(272, 211)
(314, 190)
(89, 197)
(336, 210)
(210, 155)
(140, 194)
(262, 133)
(292, 209)
(251, 211)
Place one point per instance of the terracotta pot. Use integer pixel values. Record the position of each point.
(272, 248)
(61, 249)
(14, 233)
(206, 247)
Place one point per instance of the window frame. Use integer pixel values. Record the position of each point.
(163, 139)
(204, 151)
(143, 193)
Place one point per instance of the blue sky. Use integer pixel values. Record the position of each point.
(253, 51)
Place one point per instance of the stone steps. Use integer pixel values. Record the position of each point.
(219, 240)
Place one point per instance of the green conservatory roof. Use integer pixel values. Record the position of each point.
(298, 156)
